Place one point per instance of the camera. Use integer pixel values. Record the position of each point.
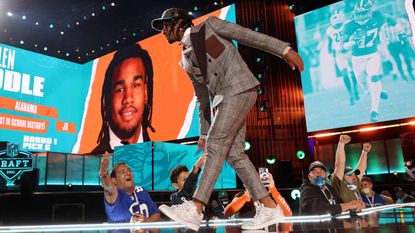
(263, 173)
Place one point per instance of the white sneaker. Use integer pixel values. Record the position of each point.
(254, 231)
(183, 213)
(264, 217)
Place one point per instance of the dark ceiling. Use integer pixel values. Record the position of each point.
(82, 30)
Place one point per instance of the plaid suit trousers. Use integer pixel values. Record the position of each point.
(226, 141)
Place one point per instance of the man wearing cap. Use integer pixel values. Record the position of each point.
(219, 74)
(218, 206)
(346, 180)
(402, 197)
(318, 197)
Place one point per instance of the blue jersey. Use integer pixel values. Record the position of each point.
(373, 201)
(139, 202)
(366, 35)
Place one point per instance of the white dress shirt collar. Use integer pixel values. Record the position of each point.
(186, 38)
(115, 141)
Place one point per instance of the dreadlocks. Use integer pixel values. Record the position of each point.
(177, 24)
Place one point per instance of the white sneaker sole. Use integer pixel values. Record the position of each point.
(167, 211)
(254, 231)
(263, 225)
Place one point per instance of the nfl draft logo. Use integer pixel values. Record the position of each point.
(14, 162)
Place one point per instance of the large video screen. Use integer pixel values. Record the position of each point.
(151, 164)
(47, 104)
(359, 57)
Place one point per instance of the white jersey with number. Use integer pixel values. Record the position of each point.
(341, 56)
(336, 36)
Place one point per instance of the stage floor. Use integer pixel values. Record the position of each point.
(390, 218)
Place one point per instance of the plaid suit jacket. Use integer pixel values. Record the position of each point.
(224, 72)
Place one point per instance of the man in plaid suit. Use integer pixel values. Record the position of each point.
(218, 73)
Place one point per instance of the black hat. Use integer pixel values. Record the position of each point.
(349, 171)
(316, 164)
(398, 189)
(222, 194)
(172, 13)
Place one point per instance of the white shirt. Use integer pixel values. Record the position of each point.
(115, 141)
(186, 38)
(189, 60)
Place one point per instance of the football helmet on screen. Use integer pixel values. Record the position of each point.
(337, 18)
(362, 11)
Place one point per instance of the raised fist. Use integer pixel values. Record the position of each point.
(103, 170)
(345, 139)
(366, 147)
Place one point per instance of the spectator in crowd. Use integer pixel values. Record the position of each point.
(386, 193)
(402, 197)
(369, 197)
(123, 201)
(244, 206)
(318, 197)
(184, 182)
(218, 206)
(346, 180)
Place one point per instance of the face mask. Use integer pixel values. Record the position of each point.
(224, 202)
(319, 181)
(352, 187)
(366, 191)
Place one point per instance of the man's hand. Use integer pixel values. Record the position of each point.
(359, 205)
(366, 147)
(137, 217)
(110, 189)
(201, 161)
(201, 144)
(103, 170)
(345, 139)
(294, 60)
(270, 181)
(355, 205)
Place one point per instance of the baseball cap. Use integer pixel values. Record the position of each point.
(316, 164)
(398, 189)
(222, 194)
(349, 171)
(171, 13)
